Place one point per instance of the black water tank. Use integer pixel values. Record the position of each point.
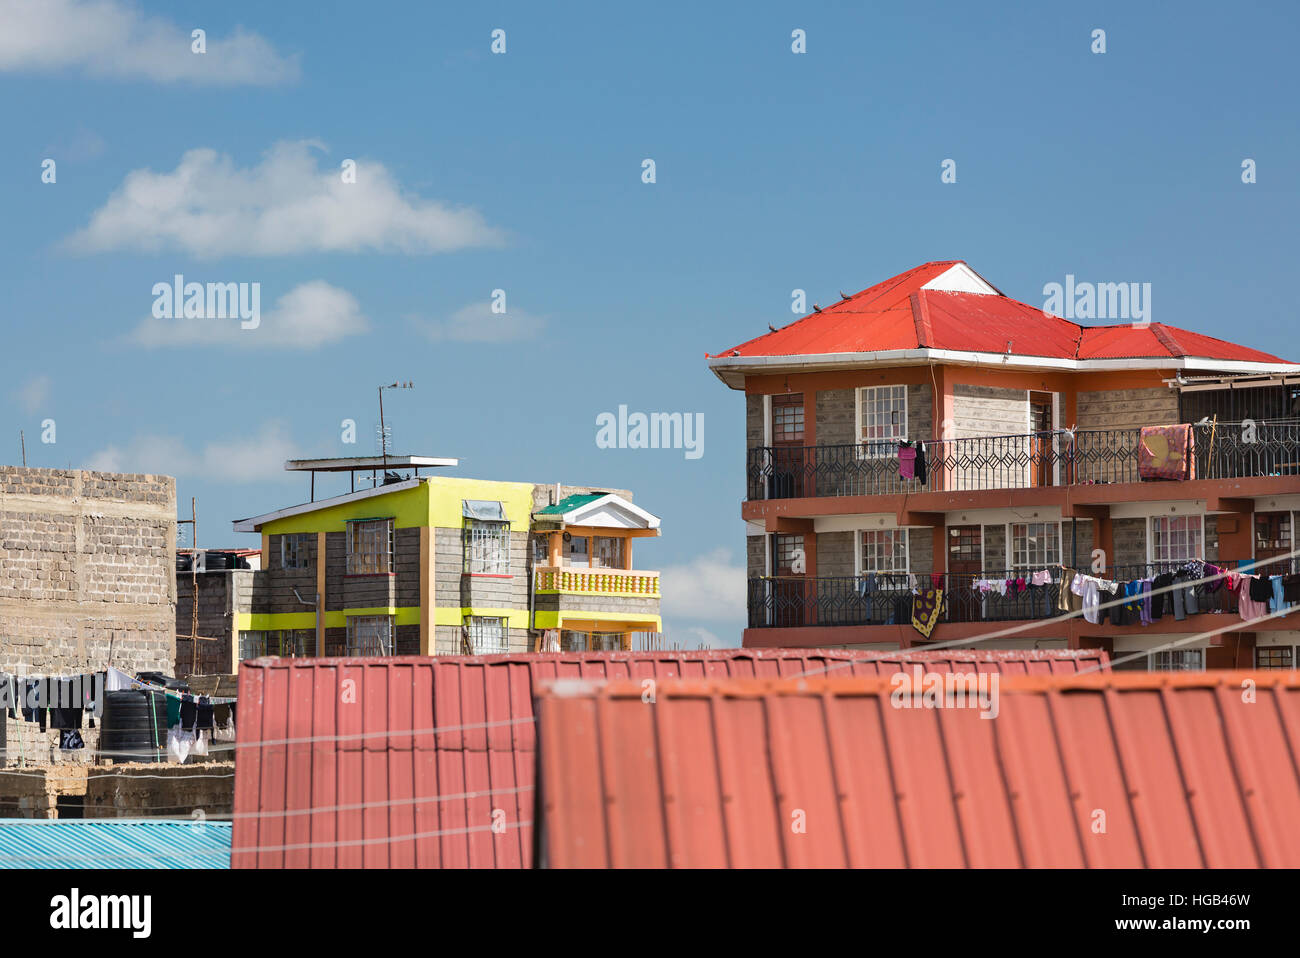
(134, 726)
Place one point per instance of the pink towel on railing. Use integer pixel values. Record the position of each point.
(907, 462)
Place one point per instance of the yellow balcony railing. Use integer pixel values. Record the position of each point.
(581, 581)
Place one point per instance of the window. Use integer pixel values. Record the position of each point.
(1177, 660)
(542, 549)
(788, 554)
(882, 419)
(293, 551)
(1175, 538)
(884, 550)
(370, 635)
(1035, 545)
(575, 551)
(284, 642)
(487, 634)
(787, 418)
(591, 641)
(1278, 657)
(487, 547)
(370, 546)
(608, 553)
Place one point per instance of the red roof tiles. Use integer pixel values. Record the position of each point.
(410, 761)
(1111, 769)
(899, 314)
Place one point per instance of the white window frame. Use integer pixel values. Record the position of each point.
(485, 630)
(1034, 566)
(1154, 657)
(367, 633)
(487, 547)
(887, 446)
(859, 551)
(1196, 552)
(359, 561)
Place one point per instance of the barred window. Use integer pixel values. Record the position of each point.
(370, 635)
(884, 550)
(293, 551)
(370, 546)
(608, 552)
(1177, 660)
(882, 419)
(1276, 657)
(1035, 545)
(487, 634)
(591, 641)
(487, 547)
(1175, 538)
(283, 642)
(542, 548)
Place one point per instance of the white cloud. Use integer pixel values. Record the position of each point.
(241, 459)
(308, 316)
(709, 587)
(33, 394)
(285, 204)
(476, 323)
(110, 38)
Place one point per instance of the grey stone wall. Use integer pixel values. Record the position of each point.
(276, 595)
(835, 553)
(87, 576)
(989, 411)
(1130, 542)
(1127, 408)
(754, 420)
(756, 555)
(222, 594)
(920, 551)
(836, 417)
(995, 548)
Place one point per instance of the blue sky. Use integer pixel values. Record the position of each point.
(522, 172)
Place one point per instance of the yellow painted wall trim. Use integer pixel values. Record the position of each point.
(574, 620)
(516, 618)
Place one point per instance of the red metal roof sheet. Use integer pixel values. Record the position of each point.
(1111, 769)
(387, 762)
(899, 314)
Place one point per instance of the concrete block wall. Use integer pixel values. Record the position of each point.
(1127, 408)
(87, 575)
(223, 594)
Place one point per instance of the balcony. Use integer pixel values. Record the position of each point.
(1030, 460)
(886, 599)
(597, 582)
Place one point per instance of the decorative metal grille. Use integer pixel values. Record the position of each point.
(370, 546)
(370, 635)
(487, 547)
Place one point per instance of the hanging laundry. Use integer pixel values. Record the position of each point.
(1248, 607)
(70, 739)
(1167, 452)
(927, 607)
(921, 475)
(906, 461)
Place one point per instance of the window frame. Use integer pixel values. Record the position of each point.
(474, 631)
(1173, 654)
(1195, 552)
(386, 646)
(886, 446)
(901, 536)
(354, 564)
(1034, 566)
(480, 537)
(299, 550)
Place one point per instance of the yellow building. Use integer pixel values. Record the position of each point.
(437, 564)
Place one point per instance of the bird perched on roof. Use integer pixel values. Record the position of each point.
(842, 296)
(771, 327)
(816, 308)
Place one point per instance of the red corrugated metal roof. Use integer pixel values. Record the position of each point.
(899, 314)
(1109, 769)
(403, 761)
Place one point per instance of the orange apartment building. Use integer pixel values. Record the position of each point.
(1030, 429)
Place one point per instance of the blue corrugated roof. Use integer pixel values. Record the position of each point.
(114, 843)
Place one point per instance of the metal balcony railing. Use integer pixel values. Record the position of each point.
(1029, 460)
(886, 599)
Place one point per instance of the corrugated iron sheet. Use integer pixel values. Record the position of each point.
(1161, 770)
(114, 843)
(411, 761)
(882, 318)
